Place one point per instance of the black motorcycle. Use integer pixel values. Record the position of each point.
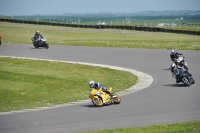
(41, 42)
(182, 75)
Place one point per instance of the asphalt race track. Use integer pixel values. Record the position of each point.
(164, 101)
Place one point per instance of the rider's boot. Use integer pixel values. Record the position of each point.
(177, 80)
(111, 95)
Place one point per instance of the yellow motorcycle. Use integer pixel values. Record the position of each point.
(100, 98)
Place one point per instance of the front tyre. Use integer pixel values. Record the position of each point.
(97, 101)
(186, 81)
(46, 45)
(35, 45)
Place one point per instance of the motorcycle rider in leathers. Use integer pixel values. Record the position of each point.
(174, 55)
(98, 86)
(37, 36)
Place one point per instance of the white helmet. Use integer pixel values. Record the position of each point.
(91, 83)
(38, 32)
(173, 52)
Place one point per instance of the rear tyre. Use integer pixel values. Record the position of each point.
(97, 101)
(192, 81)
(0, 42)
(116, 100)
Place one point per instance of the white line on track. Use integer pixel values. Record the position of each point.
(144, 80)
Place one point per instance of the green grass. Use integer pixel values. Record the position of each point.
(186, 127)
(21, 33)
(28, 84)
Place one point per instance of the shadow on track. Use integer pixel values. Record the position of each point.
(90, 106)
(167, 69)
(176, 85)
(36, 48)
(93, 106)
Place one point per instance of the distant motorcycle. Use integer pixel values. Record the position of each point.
(41, 42)
(181, 75)
(0, 39)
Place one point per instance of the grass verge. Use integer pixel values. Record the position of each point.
(29, 84)
(22, 33)
(186, 127)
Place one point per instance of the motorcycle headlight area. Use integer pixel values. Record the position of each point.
(98, 93)
(176, 71)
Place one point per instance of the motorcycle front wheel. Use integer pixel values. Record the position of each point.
(186, 81)
(35, 45)
(46, 45)
(97, 101)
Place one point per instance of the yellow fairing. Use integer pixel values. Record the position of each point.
(100, 98)
(110, 89)
(99, 93)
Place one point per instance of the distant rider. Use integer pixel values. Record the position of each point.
(37, 36)
(98, 86)
(174, 55)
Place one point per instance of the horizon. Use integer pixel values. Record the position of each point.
(24, 7)
(142, 12)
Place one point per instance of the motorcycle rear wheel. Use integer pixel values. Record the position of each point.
(97, 101)
(192, 81)
(117, 100)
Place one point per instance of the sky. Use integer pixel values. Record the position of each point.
(47, 7)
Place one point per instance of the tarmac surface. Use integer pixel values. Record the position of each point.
(157, 100)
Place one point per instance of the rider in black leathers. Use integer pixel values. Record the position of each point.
(37, 36)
